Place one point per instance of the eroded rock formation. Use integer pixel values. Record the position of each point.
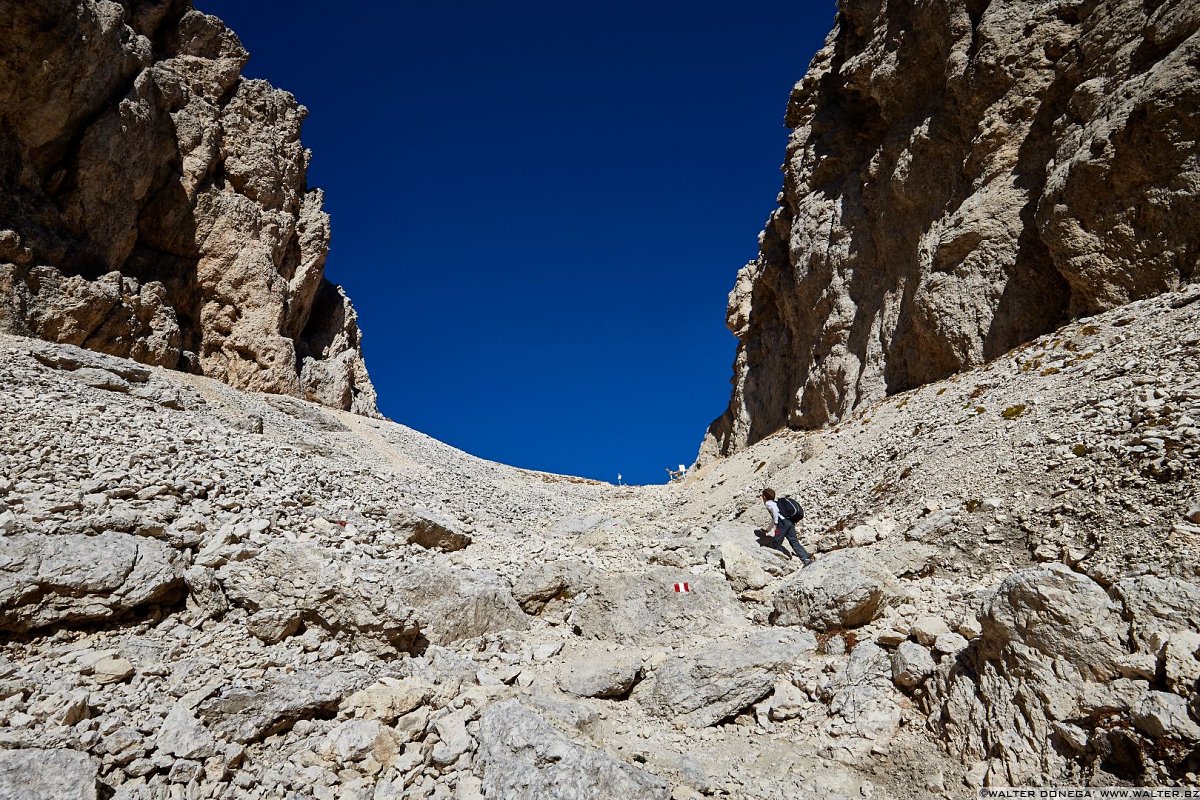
(154, 204)
(961, 177)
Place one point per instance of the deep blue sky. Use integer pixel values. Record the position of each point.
(539, 208)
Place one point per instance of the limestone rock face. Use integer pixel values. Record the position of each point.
(714, 681)
(154, 203)
(50, 580)
(960, 178)
(401, 608)
(36, 774)
(521, 755)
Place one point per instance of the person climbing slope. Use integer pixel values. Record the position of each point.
(783, 527)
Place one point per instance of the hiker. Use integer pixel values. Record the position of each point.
(784, 528)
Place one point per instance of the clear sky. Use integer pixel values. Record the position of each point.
(539, 208)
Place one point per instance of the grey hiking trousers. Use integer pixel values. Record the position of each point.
(787, 530)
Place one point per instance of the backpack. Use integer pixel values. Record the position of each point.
(790, 509)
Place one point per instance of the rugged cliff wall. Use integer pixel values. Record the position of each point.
(154, 204)
(962, 176)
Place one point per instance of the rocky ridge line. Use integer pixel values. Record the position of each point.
(154, 204)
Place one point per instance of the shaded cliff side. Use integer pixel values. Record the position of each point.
(963, 176)
(154, 203)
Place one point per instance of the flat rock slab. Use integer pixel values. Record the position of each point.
(46, 775)
(384, 605)
(717, 680)
(644, 608)
(276, 702)
(522, 755)
(430, 531)
(72, 578)
(70, 358)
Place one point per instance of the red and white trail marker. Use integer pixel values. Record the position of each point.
(683, 587)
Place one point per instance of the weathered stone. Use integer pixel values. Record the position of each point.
(452, 730)
(274, 624)
(46, 775)
(787, 702)
(112, 670)
(184, 736)
(249, 714)
(1159, 604)
(357, 739)
(717, 680)
(67, 579)
(643, 607)
(1165, 714)
(927, 629)
(599, 674)
(963, 223)
(742, 571)
(541, 583)
(387, 700)
(404, 606)
(1181, 661)
(150, 258)
(1053, 612)
(911, 665)
(949, 643)
(521, 755)
(430, 531)
(863, 697)
(842, 590)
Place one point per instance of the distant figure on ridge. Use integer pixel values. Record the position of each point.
(783, 524)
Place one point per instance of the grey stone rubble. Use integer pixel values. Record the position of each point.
(340, 607)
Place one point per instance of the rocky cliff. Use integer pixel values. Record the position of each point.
(154, 204)
(962, 176)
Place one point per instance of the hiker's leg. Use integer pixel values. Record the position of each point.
(776, 542)
(789, 530)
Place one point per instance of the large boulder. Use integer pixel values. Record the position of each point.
(842, 590)
(251, 711)
(429, 530)
(542, 583)
(743, 572)
(862, 698)
(522, 755)
(1053, 613)
(599, 674)
(1050, 650)
(1157, 605)
(397, 605)
(75, 579)
(718, 679)
(911, 665)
